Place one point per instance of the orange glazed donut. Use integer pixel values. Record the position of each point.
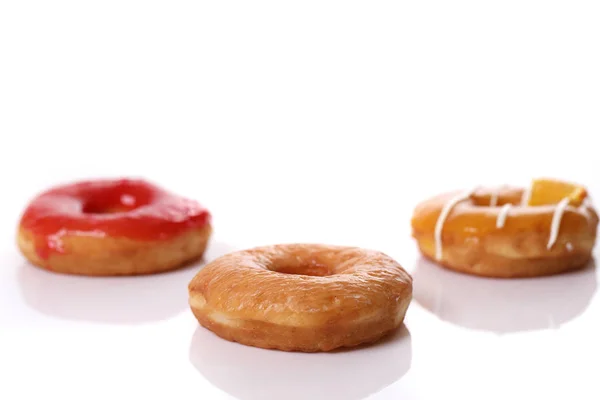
(546, 229)
(301, 297)
(112, 227)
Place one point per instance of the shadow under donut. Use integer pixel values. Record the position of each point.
(249, 373)
(118, 300)
(503, 305)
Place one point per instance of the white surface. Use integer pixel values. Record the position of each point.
(315, 121)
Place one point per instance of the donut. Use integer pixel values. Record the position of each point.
(109, 227)
(508, 232)
(301, 297)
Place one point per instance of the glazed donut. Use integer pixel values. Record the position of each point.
(301, 297)
(112, 227)
(505, 233)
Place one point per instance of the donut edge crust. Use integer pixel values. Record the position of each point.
(289, 330)
(474, 261)
(112, 256)
(301, 339)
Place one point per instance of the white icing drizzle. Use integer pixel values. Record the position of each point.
(494, 198)
(585, 208)
(502, 216)
(439, 225)
(556, 218)
(526, 195)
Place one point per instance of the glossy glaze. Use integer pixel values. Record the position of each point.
(301, 297)
(559, 210)
(473, 216)
(123, 208)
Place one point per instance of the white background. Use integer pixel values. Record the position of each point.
(319, 121)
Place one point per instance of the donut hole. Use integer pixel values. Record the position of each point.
(306, 268)
(114, 197)
(481, 201)
(503, 196)
(111, 204)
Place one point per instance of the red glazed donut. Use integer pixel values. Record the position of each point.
(112, 227)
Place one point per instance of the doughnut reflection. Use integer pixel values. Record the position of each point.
(249, 373)
(503, 305)
(118, 300)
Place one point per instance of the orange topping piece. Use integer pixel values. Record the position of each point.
(549, 191)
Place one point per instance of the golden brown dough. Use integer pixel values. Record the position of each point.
(110, 256)
(301, 297)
